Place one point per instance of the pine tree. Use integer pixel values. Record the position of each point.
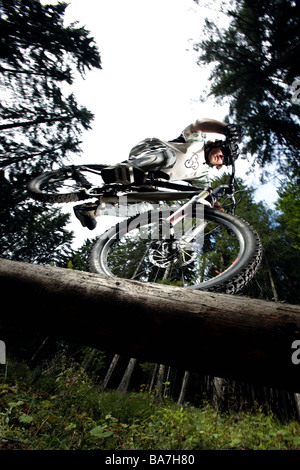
(255, 63)
(29, 231)
(39, 58)
(278, 276)
(288, 204)
(41, 124)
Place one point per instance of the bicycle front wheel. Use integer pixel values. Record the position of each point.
(67, 184)
(223, 257)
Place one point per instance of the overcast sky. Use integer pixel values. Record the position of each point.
(150, 83)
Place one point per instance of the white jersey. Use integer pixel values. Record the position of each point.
(188, 158)
(190, 162)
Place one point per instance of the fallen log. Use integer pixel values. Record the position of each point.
(214, 334)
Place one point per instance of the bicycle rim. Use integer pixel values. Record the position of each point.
(223, 257)
(67, 184)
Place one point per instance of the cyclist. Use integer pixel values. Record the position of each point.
(186, 158)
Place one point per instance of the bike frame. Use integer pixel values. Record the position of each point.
(112, 195)
(197, 200)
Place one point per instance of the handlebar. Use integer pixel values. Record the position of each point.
(221, 191)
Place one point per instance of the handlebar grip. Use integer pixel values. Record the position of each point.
(232, 151)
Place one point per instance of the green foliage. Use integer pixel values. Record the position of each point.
(278, 276)
(289, 206)
(254, 64)
(29, 231)
(78, 259)
(41, 123)
(38, 56)
(74, 415)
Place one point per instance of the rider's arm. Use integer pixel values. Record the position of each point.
(207, 125)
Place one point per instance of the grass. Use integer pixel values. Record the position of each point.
(66, 411)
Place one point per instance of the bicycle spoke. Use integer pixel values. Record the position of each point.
(169, 260)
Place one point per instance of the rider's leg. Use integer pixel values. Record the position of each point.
(133, 170)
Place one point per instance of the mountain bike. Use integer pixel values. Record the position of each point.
(183, 240)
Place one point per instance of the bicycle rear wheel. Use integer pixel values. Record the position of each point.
(223, 257)
(67, 184)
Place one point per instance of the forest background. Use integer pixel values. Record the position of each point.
(254, 68)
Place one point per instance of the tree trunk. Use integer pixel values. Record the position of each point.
(153, 377)
(183, 388)
(275, 294)
(32, 122)
(218, 393)
(297, 401)
(159, 383)
(89, 358)
(214, 334)
(122, 388)
(110, 371)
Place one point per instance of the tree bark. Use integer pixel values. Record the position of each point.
(123, 386)
(153, 375)
(297, 401)
(218, 393)
(110, 371)
(214, 334)
(183, 388)
(32, 122)
(159, 383)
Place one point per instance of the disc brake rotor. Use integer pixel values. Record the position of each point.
(176, 252)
